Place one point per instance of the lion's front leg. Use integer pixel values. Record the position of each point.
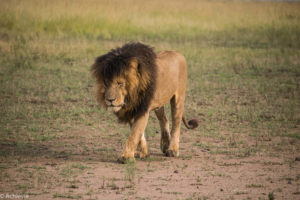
(135, 137)
(142, 149)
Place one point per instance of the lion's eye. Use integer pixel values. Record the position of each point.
(120, 84)
(105, 84)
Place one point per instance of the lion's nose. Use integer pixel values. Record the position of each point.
(111, 100)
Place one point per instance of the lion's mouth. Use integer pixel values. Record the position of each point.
(116, 106)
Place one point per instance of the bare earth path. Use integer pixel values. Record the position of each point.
(83, 166)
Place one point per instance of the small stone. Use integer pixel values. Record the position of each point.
(296, 193)
(289, 182)
(176, 171)
(221, 190)
(297, 159)
(51, 164)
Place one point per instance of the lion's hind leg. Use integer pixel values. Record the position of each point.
(165, 132)
(177, 108)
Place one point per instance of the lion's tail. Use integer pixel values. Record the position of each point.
(191, 124)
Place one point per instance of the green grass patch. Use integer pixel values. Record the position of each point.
(66, 196)
(255, 185)
(243, 68)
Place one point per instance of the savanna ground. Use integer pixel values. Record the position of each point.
(244, 87)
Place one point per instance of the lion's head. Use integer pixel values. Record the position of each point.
(125, 80)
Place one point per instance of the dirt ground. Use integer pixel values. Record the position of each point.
(83, 166)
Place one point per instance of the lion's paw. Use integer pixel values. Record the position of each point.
(124, 160)
(172, 153)
(164, 146)
(140, 155)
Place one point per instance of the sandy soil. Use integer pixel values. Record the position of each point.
(85, 167)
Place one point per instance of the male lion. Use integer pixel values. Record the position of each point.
(132, 81)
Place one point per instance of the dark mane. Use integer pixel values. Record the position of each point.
(116, 63)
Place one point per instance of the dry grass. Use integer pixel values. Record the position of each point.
(137, 20)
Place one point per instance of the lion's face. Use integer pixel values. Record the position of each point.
(113, 94)
(125, 80)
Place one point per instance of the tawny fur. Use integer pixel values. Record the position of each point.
(132, 81)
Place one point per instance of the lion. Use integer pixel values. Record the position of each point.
(133, 80)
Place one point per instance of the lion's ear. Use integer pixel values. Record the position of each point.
(95, 69)
(132, 77)
(134, 64)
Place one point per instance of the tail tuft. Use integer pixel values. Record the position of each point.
(193, 123)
